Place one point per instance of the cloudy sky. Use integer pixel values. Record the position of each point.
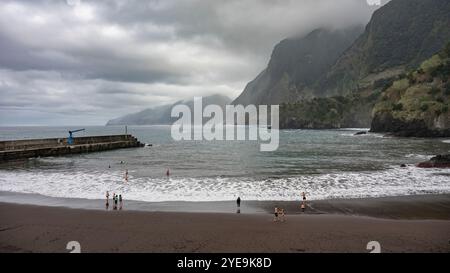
(80, 62)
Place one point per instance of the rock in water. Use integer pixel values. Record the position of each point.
(360, 133)
(439, 161)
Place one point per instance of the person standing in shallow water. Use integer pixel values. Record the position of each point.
(238, 202)
(120, 202)
(107, 199)
(114, 201)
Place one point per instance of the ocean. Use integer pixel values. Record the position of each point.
(325, 164)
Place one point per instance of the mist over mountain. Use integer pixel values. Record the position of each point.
(296, 64)
(401, 35)
(162, 114)
(333, 79)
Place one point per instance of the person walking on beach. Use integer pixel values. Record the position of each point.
(120, 202)
(275, 219)
(303, 206)
(238, 202)
(304, 196)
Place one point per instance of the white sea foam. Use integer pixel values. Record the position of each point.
(353, 129)
(424, 157)
(391, 182)
(446, 140)
(363, 135)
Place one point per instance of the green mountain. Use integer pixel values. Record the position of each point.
(161, 115)
(399, 36)
(327, 113)
(324, 80)
(417, 104)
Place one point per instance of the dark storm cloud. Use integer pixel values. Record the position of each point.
(113, 57)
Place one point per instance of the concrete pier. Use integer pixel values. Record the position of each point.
(23, 149)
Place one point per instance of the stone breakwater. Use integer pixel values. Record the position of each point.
(23, 149)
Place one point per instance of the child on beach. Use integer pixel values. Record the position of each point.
(303, 206)
(120, 201)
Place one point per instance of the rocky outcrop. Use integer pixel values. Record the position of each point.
(385, 123)
(439, 161)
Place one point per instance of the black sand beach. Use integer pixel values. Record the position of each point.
(406, 224)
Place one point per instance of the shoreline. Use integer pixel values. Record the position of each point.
(413, 207)
(30, 228)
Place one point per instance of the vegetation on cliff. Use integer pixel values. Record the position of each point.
(417, 103)
(400, 36)
(328, 113)
(326, 80)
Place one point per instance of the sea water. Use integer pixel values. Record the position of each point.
(324, 163)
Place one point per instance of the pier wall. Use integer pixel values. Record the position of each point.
(22, 149)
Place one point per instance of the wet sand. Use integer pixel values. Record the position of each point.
(31, 228)
(395, 207)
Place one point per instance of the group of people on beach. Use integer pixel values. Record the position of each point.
(116, 200)
(280, 213)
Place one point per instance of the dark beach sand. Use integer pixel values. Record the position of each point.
(31, 228)
(396, 207)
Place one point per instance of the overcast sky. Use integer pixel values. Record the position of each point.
(67, 62)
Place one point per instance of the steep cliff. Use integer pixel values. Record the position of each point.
(417, 104)
(295, 65)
